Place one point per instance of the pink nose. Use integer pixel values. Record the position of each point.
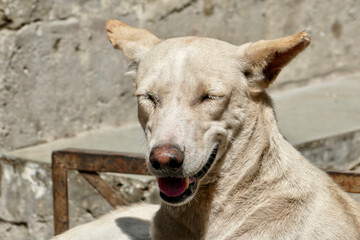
(166, 157)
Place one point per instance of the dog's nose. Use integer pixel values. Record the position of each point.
(166, 157)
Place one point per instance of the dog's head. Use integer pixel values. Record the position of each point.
(192, 97)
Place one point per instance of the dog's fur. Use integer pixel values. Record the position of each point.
(198, 93)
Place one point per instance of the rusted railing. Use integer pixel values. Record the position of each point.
(89, 163)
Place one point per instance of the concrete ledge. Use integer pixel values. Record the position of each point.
(128, 138)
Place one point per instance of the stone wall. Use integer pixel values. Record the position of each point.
(60, 76)
(26, 204)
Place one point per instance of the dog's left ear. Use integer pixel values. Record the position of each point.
(265, 59)
(133, 42)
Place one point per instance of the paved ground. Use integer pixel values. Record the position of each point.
(320, 110)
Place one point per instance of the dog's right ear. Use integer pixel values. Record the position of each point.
(133, 42)
(265, 59)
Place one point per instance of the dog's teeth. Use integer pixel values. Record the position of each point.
(191, 179)
(187, 181)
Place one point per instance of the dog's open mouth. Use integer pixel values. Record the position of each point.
(176, 190)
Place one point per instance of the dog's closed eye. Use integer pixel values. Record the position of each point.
(209, 97)
(151, 98)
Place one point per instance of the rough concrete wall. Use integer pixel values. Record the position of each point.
(59, 75)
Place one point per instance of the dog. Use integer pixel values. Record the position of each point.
(223, 168)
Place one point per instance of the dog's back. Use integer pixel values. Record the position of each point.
(287, 199)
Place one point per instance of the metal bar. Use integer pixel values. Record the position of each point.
(89, 162)
(348, 181)
(100, 161)
(103, 189)
(60, 194)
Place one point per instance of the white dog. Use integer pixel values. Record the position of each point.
(223, 168)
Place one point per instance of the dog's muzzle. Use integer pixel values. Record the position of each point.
(177, 190)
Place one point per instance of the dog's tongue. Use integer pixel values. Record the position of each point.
(173, 187)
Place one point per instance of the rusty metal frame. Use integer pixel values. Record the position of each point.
(89, 163)
(349, 181)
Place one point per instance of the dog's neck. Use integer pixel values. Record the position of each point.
(258, 135)
(242, 161)
(257, 144)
